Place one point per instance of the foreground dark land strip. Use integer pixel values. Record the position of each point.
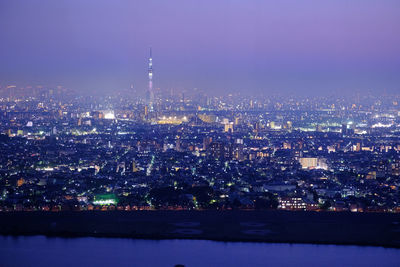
(373, 229)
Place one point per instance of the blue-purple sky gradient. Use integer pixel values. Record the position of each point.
(301, 46)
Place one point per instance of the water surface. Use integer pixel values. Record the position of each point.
(88, 251)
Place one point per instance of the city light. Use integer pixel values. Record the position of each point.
(109, 116)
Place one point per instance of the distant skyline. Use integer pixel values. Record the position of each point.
(302, 47)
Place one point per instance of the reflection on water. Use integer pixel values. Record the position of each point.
(42, 251)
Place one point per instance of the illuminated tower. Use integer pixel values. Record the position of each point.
(150, 93)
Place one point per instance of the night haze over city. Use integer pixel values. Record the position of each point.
(148, 133)
(259, 47)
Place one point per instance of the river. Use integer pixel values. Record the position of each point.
(45, 251)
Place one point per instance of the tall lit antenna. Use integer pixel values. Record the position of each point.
(150, 90)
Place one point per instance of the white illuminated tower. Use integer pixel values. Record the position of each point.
(150, 93)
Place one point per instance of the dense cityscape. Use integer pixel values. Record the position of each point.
(199, 133)
(192, 151)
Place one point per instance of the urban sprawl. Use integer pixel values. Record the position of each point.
(191, 151)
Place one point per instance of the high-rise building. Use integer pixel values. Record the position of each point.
(206, 142)
(312, 163)
(178, 145)
(289, 125)
(358, 147)
(134, 168)
(217, 150)
(228, 127)
(272, 125)
(307, 163)
(344, 129)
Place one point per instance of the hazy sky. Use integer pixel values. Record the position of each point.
(299, 46)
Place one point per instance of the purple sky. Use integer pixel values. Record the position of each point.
(265, 46)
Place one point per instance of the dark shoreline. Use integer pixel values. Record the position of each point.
(360, 229)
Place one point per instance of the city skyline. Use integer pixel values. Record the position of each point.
(306, 48)
(272, 124)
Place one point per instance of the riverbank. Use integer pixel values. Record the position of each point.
(369, 229)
